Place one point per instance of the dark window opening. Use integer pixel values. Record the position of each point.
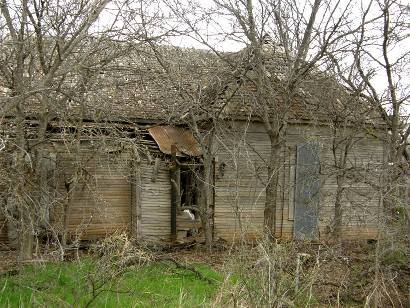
(189, 188)
(189, 194)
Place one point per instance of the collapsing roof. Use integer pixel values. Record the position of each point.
(136, 87)
(167, 135)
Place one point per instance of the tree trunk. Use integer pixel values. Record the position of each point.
(205, 207)
(272, 189)
(65, 220)
(207, 227)
(175, 173)
(338, 216)
(23, 204)
(25, 238)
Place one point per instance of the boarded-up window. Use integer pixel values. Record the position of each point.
(306, 190)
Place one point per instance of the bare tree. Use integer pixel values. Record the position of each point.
(301, 36)
(284, 44)
(376, 66)
(355, 127)
(52, 55)
(199, 111)
(380, 60)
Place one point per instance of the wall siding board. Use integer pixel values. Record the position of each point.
(240, 184)
(107, 201)
(240, 194)
(101, 201)
(155, 203)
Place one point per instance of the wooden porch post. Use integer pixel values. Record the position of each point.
(175, 177)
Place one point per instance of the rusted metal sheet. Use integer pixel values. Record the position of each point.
(166, 135)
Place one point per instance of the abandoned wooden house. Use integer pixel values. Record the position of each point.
(118, 174)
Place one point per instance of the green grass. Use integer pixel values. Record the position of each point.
(69, 283)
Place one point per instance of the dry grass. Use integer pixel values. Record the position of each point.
(265, 274)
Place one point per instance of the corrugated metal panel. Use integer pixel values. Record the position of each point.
(167, 135)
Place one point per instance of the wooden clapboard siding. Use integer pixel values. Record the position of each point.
(240, 179)
(104, 203)
(240, 195)
(100, 204)
(155, 202)
(360, 201)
